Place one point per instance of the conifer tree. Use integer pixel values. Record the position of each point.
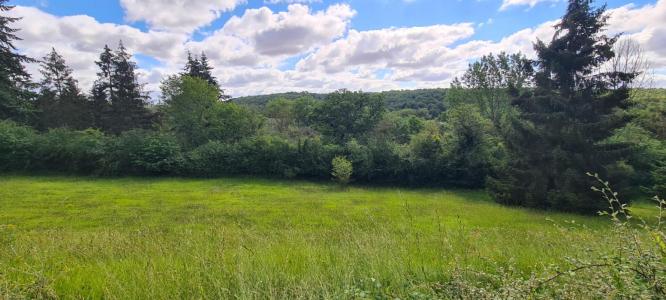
(565, 121)
(103, 89)
(199, 67)
(118, 98)
(60, 102)
(128, 104)
(15, 85)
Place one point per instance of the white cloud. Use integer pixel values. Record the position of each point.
(292, 32)
(249, 51)
(177, 15)
(531, 3)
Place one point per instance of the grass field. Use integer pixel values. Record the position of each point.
(77, 237)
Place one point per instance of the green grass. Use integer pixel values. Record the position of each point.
(134, 238)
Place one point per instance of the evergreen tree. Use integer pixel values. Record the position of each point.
(199, 67)
(60, 102)
(103, 89)
(192, 66)
(565, 121)
(118, 99)
(15, 85)
(128, 104)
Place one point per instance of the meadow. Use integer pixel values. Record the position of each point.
(159, 238)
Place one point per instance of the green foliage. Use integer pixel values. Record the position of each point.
(490, 82)
(145, 152)
(16, 145)
(192, 110)
(82, 152)
(565, 121)
(60, 102)
(345, 115)
(15, 86)
(470, 149)
(342, 170)
(119, 102)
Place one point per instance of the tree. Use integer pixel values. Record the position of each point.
(342, 170)
(200, 68)
(103, 89)
(490, 82)
(118, 99)
(470, 148)
(15, 85)
(565, 122)
(193, 111)
(345, 115)
(60, 102)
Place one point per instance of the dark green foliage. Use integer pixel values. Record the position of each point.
(427, 101)
(15, 85)
(83, 152)
(16, 146)
(119, 102)
(60, 103)
(470, 149)
(145, 152)
(564, 123)
(261, 155)
(345, 115)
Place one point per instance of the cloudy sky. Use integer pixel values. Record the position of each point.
(267, 46)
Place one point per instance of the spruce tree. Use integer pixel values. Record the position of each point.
(564, 123)
(192, 66)
(103, 90)
(128, 102)
(118, 99)
(15, 85)
(199, 67)
(60, 102)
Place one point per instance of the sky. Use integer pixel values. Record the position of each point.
(269, 46)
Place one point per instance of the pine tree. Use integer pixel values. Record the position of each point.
(103, 90)
(118, 99)
(60, 102)
(128, 102)
(565, 121)
(199, 67)
(15, 85)
(193, 66)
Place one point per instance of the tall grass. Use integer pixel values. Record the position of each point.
(132, 238)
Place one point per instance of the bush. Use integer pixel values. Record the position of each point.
(16, 145)
(342, 170)
(145, 152)
(71, 151)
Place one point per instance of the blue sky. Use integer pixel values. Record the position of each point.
(259, 46)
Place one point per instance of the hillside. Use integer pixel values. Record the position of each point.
(431, 100)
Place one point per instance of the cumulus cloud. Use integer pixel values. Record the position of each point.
(324, 54)
(177, 15)
(410, 48)
(81, 38)
(292, 32)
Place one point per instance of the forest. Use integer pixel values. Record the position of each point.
(527, 130)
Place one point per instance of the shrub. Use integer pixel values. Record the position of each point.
(145, 152)
(73, 151)
(16, 145)
(342, 170)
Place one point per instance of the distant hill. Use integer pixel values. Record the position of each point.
(431, 100)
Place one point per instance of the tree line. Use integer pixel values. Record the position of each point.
(527, 130)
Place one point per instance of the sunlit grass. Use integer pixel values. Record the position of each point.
(251, 238)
